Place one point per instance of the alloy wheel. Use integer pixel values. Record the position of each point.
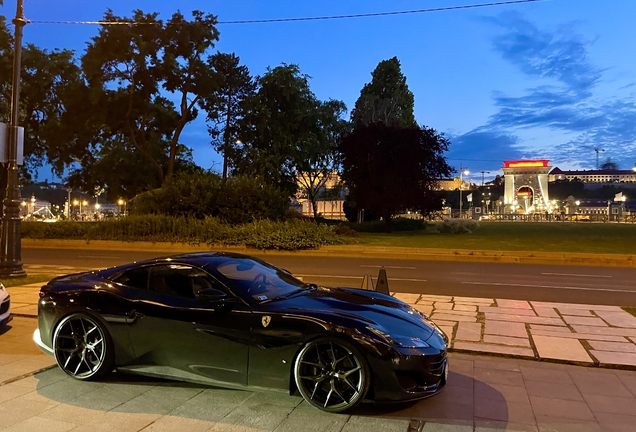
(331, 375)
(80, 347)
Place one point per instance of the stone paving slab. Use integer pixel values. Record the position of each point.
(556, 348)
(579, 333)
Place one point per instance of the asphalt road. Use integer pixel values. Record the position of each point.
(570, 284)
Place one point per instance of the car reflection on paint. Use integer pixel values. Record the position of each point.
(236, 321)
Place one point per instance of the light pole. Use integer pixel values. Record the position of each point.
(461, 184)
(121, 203)
(11, 245)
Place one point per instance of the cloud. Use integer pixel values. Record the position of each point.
(565, 107)
(560, 55)
(483, 148)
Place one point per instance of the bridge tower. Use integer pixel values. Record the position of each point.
(526, 186)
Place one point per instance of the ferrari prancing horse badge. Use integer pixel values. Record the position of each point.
(266, 320)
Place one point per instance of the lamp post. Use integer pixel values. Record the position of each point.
(122, 203)
(462, 171)
(10, 244)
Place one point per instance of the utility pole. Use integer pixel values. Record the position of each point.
(597, 150)
(11, 247)
(461, 184)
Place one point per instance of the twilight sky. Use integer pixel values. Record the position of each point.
(553, 79)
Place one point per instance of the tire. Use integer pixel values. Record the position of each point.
(83, 348)
(332, 375)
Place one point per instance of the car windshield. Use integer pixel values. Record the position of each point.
(259, 281)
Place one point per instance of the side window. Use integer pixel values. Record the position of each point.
(179, 280)
(136, 278)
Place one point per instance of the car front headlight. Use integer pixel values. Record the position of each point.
(1, 287)
(401, 341)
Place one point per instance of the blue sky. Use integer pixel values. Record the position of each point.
(553, 79)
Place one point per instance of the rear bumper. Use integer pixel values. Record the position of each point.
(38, 341)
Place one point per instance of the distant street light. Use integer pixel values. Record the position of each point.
(462, 171)
(121, 203)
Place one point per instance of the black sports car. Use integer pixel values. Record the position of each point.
(236, 321)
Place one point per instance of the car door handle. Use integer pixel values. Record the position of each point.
(134, 316)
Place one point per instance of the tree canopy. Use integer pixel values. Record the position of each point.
(286, 130)
(225, 106)
(391, 169)
(386, 99)
(146, 81)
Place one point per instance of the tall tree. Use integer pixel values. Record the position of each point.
(133, 69)
(317, 163)
(276, 127)
(390, 169)
(225, 105)
(386, 99)
(53, 101)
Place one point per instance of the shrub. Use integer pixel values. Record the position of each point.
(344, 230)
(456, 226)
(238, 200)
(263, 234)
(397, 224)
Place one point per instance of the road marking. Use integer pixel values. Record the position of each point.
(358, 277)
(548, 286)
(389, 267)
(576, 275)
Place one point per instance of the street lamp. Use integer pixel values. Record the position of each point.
(121, 203)
(11, 242)
(462, 171)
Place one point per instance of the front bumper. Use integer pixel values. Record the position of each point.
(410, 377)
(38, 341)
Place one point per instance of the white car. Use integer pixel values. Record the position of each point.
(5, 302)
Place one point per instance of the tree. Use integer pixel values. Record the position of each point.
(318, 160)
(133, 69)
(53, 101)
(225, 105)
(386, 99)
(609, 165)
(390, 169)
(279, 123)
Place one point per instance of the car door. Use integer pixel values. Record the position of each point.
(188, 337)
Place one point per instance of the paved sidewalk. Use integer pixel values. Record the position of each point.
(572, 333)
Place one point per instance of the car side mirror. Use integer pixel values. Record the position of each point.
(213, 295)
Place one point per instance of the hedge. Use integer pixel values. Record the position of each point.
(264, 234)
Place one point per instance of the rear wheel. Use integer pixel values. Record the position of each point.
(332, 375)
(82, 347)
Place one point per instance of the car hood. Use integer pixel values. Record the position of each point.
(347, 306)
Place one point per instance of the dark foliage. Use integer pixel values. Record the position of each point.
(199, 195)
(392, 169)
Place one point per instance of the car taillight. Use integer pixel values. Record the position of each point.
(44, 290)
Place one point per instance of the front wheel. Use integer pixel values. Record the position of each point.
(332, 375)
(82, 347)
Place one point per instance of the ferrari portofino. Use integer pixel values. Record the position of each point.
(235, 321)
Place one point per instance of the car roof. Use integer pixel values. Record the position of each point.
(198, 259)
